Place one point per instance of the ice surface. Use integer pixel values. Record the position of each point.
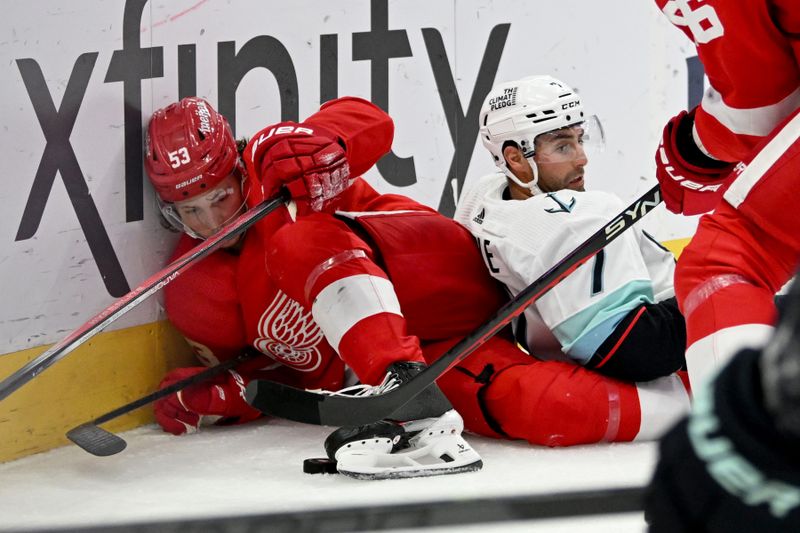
(257, 468)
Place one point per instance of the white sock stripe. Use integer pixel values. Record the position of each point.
(661, 402)
(761, 164)
(706, 356)
(345, 302)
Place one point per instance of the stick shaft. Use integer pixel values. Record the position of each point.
(149, 287)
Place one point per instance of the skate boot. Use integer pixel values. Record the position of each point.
(422, 439)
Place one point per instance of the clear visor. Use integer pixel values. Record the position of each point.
(569, 143)
(206, 214)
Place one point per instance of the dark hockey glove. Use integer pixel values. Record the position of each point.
(726, 468)
(780, 366)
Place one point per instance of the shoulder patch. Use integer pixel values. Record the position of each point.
(563, 207)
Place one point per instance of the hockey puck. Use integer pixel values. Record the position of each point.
(319, 465)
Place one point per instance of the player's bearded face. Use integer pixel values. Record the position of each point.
(560, 160)
(205, 214)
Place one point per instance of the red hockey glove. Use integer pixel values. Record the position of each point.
(687, 188)
(307, 159)
(221, 397)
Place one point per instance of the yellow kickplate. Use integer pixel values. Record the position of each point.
(106, 372)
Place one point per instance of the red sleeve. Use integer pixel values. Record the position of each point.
(750, 54)
(366, 130)
(202, 303)
(360, 197)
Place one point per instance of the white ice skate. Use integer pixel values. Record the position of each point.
(426, 447)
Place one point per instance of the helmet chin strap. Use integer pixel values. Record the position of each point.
(531, 185)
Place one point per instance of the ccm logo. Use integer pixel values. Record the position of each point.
(570, 105)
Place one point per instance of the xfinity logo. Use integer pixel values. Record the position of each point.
(377, 46)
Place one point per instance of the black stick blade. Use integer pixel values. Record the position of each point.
(96, 440)
(283, 401)
(319, 408)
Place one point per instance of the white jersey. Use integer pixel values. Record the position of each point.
(521, 239)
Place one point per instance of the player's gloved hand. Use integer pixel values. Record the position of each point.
(307, 159)
(685, 187)
(221, 397)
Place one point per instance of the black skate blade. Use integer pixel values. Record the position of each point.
(96, 440)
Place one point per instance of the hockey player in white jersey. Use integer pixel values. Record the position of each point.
(615, 314)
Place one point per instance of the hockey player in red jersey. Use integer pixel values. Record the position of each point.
(246, 296)
(735, 153)
(732, 465)
(378, 287)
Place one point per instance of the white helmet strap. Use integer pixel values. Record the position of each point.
(532, 185)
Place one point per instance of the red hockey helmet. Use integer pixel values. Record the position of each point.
(189, 149)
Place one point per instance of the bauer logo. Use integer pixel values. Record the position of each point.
(188, 182)
(280, 130)
(507, 99)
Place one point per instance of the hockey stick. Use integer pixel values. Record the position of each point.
(100, 442)
(339, 410)
(150, 286)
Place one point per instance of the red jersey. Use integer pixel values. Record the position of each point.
(751, 53)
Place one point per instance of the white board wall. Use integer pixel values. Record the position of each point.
(80, 79)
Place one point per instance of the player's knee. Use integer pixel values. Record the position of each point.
(467, 384)
(661, 360)
(309, 250)
(689, 272)
(550, 404)
(648, 344)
